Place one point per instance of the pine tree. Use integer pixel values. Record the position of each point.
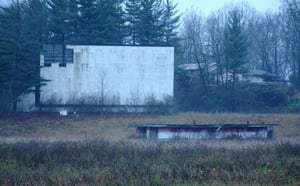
(11, 53)
(235, 51)
(19, 51)
(58, 21)
(119, 23)
(5, 62)
(35, 29)
(171, 23)
(150, 28)
(87, 22)
(113, 21)
(73, 22)
(35, 17)
(132, 16)
(235, 43)
(96, 21)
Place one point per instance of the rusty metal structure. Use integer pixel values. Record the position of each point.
(204, 131)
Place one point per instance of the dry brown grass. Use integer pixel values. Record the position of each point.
(53, 127)
(104, 152)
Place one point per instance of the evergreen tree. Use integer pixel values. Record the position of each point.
(113, 21)
(150, 29)
(73, 22)
(87, 18)
(19, 51)
(35, 12)
(235, 43)
(171, 23)
(11, 54)
(59, 20)
(5, 63)
(97, 21)
(119, 23)
(35, 29)
(235, 51)
(132, 16)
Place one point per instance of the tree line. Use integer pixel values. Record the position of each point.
(235, 38)
(137, 22)
(25, 25)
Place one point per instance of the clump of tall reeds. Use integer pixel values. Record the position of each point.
(139, 162)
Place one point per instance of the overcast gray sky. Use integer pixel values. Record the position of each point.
(207, 6)
(3, 2)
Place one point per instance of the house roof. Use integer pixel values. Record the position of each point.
(195, 66)
(189, 67)
(260, 73)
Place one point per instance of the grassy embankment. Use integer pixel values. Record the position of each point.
(115, 126)
(99, 150)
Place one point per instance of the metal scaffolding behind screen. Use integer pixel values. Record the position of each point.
(57, 54)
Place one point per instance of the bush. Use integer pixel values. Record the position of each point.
(191, 95)
(294, 103)
(153, 106)
(295, 81)
(271, 95)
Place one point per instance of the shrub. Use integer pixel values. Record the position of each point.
(244, 97)
(270, 95)
(152, 105)
(293, 104)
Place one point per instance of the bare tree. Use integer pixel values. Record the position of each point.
(215, 28)
(267, 41)
(292, 38)
(193, 37)
(103, 87)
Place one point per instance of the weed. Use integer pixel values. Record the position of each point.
(102, 162)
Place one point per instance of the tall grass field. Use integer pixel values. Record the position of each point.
(91, 149)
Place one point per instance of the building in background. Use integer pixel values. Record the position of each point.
(103, 76)
(252, 76)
